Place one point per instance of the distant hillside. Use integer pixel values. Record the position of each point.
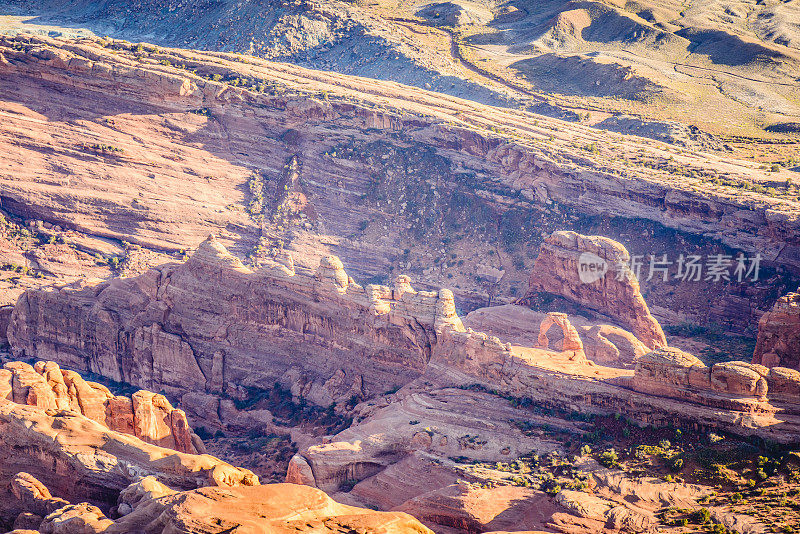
(729, 68)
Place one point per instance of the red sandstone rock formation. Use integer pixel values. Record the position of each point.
(74, 457)
(571, 341)
(778, 341)
(145, 107)
(212, 324)
(614, 293)
(268, 508)
(603, 343)
(146, 415)
(733, 385)
(149, 506)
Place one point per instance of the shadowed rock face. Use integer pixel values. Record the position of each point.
(212, 324)
(778, 341)
(616, 293)
(188, 161)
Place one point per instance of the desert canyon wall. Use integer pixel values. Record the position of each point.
(329, 152)
(295, 174)
(213, 326)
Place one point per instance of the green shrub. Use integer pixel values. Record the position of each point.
(701, 515)
(609, 458)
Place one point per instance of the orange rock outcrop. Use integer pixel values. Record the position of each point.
(144, 414)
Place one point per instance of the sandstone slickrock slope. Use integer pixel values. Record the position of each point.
(268, 508)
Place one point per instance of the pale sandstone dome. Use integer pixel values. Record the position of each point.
(270, 508)
(147, 506)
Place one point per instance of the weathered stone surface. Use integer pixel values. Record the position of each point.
(571, 341)
(778, 343)
(146, 415)
(152, 101)
(270, 508)
(143, 490)
(33, 496)
(615, 292)
(76, 519)
(248, 328)
(603, 343)
(730, 385)
(738, 378)
(784, 384)
(466, 509)
(77, 457)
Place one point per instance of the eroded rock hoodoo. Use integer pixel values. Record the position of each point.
(146, 415)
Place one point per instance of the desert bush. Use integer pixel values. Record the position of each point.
(701, 515)
(609, 458)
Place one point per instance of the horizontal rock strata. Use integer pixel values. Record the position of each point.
(212, 324)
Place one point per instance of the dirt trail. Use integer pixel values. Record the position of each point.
(455, 52)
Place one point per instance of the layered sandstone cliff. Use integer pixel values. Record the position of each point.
(778, 342)
(212, 324)
(63, 473)
(565, 267)
(165, 156)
